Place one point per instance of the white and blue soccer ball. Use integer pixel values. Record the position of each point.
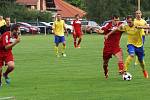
(127, 76)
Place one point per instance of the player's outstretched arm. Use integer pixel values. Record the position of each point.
(12, 44)
(99, 31)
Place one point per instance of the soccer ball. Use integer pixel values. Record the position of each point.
(127, 76)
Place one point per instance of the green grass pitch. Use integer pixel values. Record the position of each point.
(40, 75)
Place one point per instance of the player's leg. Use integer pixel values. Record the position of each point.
(0, 76)
(56, 45)
(106, 57)
(119, 56)
(140, 54)
(136, 59)
(79, 40)
(131, 52)
(75, 40)
(64, 46)
(9, 69)
(1, 64)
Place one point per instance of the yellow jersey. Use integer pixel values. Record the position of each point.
(2, 22)
(140, 22)
(134, 35)
(59, 27)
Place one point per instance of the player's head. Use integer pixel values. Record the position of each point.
(77, 16)
(7, 20)
(58, 17)
(138, 14)
(130, 20)
(15, 29)
(115, 19)
(1, 17)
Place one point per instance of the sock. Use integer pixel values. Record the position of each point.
(136, 60)
(127, 62)
(63, 49)
(56, 50)
(0, 75)
(9, 69)
(142, 64)
(105, 67)
(79, 41)
(121, 66)
(75, 43)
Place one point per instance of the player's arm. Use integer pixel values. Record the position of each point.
(65, 29)
(53, 27)
(9, 46)
(99, 31)
(73, 28)
(120, 28)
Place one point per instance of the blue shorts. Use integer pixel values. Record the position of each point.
(139, 51)
(59, 39)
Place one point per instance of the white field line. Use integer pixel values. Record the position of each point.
(7, 98)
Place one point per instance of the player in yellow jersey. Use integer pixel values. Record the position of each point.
(138, 21)
(134, 43)
(2, 21)
(59, 30)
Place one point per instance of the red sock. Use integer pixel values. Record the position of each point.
(79, 41)
(9, 69)
(105, 67)
(75, 43)
(121, 66)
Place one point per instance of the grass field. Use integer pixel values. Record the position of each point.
(40, 75)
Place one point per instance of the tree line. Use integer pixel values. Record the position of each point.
(100, 10)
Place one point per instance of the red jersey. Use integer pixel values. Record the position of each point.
(5, 40)
(114, 39)
(77, 26)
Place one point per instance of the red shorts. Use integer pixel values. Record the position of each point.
(108, 51)
(6, 57)
(77, 35)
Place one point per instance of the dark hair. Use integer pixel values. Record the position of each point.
(114, 16)
(14, 27)
(58, 14)
(77, 15)
(129, 16)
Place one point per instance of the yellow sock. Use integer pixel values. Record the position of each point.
(127, 62)
(56, 50)
(136, 60)
(63, 49)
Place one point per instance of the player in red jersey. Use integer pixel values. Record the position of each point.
(8, 40)
(112, 45)
(77, 31)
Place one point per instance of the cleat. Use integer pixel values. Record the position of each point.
(64, 55)
(57, 56)
(145, 73)
(7, 79)
(106, 76)
(121, 72)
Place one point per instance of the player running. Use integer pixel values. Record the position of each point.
(134, 43)
(5, 27)
(77, 31)
(112, 45)
(8, 40)
(138, 21)
(58, 27)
